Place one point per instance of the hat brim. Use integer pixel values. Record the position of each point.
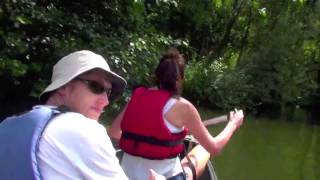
(79, 62)
(118, 84)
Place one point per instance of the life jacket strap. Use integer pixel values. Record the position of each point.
(151, 140)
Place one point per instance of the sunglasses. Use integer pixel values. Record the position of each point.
(95, 87)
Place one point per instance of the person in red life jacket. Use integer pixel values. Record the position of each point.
(156, 120)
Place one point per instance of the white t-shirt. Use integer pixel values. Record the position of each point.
(137, 168)
(75, 147)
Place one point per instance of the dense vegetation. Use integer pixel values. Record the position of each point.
(263, 56)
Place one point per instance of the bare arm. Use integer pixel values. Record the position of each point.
(189, 117)
(115, 130)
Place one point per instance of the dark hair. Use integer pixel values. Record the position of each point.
(170, 69)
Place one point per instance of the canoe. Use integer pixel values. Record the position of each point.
(209, 172)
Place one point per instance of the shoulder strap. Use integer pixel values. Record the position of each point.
(19, 139)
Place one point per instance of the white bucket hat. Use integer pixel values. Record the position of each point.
(80, 62)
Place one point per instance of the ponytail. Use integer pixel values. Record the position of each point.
(170, 70)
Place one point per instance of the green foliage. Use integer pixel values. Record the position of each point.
(279, 68)
(13, 67)
(241, 53)
(215, 85)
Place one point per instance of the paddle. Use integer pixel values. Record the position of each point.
(216, 120)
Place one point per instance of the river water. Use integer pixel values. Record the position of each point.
(270, 150)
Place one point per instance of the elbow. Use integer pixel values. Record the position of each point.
(215, 147)
(114, 134)
(215, 151)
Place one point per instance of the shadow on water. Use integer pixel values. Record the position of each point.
(270, 149)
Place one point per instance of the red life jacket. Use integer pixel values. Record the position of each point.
(144, 132)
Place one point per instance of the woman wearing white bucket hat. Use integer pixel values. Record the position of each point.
(63, 139)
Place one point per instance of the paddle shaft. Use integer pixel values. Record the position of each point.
(216, 120)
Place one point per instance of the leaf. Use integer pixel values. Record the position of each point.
(23, 20)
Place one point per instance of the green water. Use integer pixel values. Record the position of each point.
(270, 150)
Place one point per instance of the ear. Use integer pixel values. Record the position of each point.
(62, 91)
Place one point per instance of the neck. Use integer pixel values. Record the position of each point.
(55, 100)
